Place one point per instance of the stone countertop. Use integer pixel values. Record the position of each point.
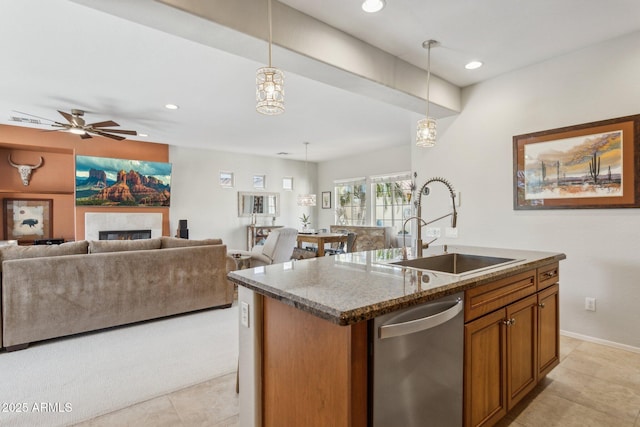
(349, 288)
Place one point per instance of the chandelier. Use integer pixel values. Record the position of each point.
(269, 84)
(426, 133)
(306, 199)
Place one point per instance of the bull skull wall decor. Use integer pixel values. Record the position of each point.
(25, 170)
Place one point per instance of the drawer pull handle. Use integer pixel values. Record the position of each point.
(549, 274)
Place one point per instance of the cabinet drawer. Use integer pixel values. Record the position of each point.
(548, 275)
(487, 298)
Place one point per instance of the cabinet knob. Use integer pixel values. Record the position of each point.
(541, 305)
(509, 322)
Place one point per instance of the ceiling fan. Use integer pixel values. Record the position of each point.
(77, 125)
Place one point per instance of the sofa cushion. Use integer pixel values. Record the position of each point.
(102, 246)
(37, 251)
(174, 242)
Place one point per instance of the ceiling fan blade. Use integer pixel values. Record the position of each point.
(108, 135)
(125, 132)
(106, 124)
(67, 116)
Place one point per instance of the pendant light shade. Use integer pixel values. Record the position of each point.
(427, 129)
(306, 199)
(269, 84)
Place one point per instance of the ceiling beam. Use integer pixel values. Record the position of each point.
(301, 44)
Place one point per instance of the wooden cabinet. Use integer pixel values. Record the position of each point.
(511, 342)
(548, 327)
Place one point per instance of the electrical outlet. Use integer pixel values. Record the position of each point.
(244, 314)
(590, 304)
(451, 232)
(432, 232)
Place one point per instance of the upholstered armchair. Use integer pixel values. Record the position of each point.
(277, 248)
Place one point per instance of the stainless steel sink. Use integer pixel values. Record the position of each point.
(455, 263)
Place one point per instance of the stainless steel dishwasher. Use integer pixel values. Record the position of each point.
(416, 366)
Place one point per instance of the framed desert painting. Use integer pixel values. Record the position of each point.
(592, 165)
(27, 220)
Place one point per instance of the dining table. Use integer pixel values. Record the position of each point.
(320, 239)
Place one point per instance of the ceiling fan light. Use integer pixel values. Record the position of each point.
(372, 6)
(77, 131)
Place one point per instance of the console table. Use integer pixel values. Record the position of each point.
(255, 233)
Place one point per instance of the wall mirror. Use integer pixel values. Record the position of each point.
(261, 204)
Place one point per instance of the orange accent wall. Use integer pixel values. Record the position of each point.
(56, 178)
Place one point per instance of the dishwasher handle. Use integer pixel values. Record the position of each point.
(417, 325)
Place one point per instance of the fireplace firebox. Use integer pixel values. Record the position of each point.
(124, 235)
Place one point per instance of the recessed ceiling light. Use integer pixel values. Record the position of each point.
(372, 6)
(171, 107)
(473, 65)
(143, 134)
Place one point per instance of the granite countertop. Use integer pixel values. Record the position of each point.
(349, 288)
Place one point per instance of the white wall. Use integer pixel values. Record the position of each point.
(390, 160)
(474, 152)
(212, 211)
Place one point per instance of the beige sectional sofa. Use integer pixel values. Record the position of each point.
(59, 290)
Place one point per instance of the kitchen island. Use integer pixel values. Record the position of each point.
(304, 332)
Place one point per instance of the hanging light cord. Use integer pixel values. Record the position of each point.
(270, 35)
(428, 74)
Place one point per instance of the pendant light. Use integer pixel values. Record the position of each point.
(269, 84)
(306, 199)
(426, 133)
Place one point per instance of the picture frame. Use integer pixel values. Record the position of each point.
(226, 179)
(287, 183)
(587, 166)
(326, 200)
(259, 181)
(113, 182)
(26, 220)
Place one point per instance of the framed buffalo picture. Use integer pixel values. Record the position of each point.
(26, 220)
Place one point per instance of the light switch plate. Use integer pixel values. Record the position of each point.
(244, 314)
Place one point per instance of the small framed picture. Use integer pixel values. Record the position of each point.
(259, 181)
(226, 179)
(287, 183)
(326, 200)
(28, 220)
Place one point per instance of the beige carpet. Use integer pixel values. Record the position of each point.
(64, 381)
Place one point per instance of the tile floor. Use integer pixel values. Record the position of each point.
(594, 385)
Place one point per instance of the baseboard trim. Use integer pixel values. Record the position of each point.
(600, 341)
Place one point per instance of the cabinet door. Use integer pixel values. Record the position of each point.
(548, 330)
(522, 346)
(484, 370)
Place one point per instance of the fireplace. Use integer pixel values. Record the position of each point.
(124, 234)
(96, 222)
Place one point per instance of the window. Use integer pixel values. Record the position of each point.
(392, 200)
(351, 201)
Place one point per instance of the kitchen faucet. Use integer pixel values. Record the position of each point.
(422, 223)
